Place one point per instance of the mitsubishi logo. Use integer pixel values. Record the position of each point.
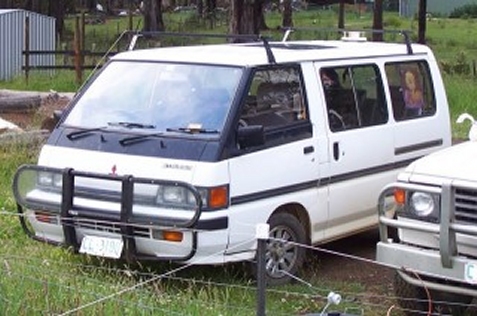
(113, 170)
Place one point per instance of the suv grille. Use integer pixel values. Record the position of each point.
(465, 201)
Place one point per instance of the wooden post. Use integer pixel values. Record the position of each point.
(27, 47)
(77, 49)
(82, 36)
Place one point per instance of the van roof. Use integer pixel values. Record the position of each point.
(252, 54)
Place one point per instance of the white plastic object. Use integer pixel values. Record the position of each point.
(262, 231)
(473, 128)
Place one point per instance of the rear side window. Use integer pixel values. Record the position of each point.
(411, 90)
(354, 97)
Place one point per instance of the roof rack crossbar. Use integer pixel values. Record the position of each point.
(405, 33)
(245, 37)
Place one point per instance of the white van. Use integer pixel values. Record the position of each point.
(178, 153)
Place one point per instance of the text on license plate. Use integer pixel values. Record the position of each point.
(102, 246)
(470, 272)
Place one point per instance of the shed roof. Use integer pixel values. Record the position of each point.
(4, 11)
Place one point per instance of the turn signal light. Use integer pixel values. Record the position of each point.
(400, 196)
(172, 236)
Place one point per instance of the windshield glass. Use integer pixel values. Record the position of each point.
(160, 96)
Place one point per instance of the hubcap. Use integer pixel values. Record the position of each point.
(281, 252)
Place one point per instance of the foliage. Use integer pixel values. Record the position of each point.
(464, 12)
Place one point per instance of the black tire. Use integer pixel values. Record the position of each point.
(415, 300)
(283, 256)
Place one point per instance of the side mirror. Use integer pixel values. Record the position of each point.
(250, 136)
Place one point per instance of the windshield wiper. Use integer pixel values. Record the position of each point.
(138, 138)
(193, 130)
(131, 125)
(82, 133)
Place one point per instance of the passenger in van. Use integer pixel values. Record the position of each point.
(332, 87)
(412, 93)
(330, 79)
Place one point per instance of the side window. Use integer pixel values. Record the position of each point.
(354, 97)
(411, 90)
(275, 98)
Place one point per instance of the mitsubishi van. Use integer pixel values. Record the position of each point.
(177, 153)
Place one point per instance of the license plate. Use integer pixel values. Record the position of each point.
(470, 272)
(102, 246)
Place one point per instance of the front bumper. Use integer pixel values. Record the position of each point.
(66, 216)
(423, 268)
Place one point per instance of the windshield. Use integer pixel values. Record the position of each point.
(164, 97)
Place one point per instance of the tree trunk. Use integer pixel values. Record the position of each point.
(422, 22)
(153, 21)
(209, 14)
(341, 23)
(378, 21)
(259, 12)
(245, 17)
(287, 20)
(59, 14)
(90, 5)
(200, 8)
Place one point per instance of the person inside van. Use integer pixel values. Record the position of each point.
(332, 87)
(330, 79)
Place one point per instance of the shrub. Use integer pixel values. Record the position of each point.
(464, 12)
(393, 22)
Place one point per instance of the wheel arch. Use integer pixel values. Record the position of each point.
(299, 212)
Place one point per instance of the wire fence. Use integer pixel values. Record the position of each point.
(41, 279)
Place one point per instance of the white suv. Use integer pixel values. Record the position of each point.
(435, 217)
(178, 153)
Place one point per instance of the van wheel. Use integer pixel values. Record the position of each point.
(415, 301)
(284, 257)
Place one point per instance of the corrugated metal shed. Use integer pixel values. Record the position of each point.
(409, 8)
(12, 40)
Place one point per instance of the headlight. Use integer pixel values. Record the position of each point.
(49, 179)
(175, 195)
(422, 204)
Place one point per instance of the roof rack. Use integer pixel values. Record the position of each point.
(405, 33)
(244, 37)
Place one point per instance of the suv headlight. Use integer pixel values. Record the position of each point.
(417, 204)
(422, 204)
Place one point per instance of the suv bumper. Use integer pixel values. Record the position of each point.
(423, 267)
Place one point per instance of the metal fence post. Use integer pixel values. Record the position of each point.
(262, 234)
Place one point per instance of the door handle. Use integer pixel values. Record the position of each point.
(308, 150)
(336, 151)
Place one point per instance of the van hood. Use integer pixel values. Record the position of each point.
(456, 162)
(125, 164)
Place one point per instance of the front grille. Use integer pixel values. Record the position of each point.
(111, 227)
(465, 201)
